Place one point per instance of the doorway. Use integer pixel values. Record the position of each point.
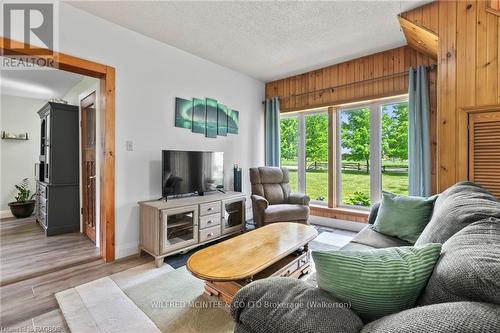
(106, 75)
(88, 158)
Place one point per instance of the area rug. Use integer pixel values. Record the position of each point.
(147, 299)
(328, 241)
(144, 299)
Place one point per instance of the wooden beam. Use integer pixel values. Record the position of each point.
(420, 38)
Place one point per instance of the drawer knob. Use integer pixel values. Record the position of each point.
(210, 221)
(210, 234)
(210, 209)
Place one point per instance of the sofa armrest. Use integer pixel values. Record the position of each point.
(373, 213)
(290, 305)
(259, 202)
(299, 199)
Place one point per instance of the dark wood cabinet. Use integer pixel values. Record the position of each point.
(58, 191)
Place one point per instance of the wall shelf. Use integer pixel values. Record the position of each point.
(8, 136)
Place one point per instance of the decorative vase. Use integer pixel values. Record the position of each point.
(22, 209)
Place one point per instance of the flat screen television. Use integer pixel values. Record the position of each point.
(185, 172)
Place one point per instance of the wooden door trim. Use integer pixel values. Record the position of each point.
(106, 75)
(463, 137)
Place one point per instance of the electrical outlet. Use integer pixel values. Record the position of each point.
(129, 145)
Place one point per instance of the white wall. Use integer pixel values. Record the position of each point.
(18, 158)
(149, 75)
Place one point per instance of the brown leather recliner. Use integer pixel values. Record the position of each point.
(272, 200)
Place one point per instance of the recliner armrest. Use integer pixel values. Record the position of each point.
(260, 202)
(299, 199)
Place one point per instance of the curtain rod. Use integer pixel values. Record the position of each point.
(332, 88)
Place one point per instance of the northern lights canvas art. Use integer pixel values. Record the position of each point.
(206, 116)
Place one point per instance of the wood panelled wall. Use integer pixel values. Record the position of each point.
(469, 74)
(355, 80)
(310, 90)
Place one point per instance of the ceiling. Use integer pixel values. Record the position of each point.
(264, 39)
(41, 83)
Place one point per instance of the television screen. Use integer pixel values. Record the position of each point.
(186, 172)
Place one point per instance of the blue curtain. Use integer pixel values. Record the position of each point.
(272, 132)
(419, 146)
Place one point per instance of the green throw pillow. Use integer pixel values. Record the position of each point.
(403, 217)
(376, 282)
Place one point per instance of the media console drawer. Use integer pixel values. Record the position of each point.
(210, 220)
(210, 208)
(209, 233)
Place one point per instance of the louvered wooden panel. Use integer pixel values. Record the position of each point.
(484, 150)
(493, 6)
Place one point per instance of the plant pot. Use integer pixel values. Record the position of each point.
(22, 209)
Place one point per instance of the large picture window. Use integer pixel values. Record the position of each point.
(304, 151)
(289, 142)
(372, 152)
(369, 145)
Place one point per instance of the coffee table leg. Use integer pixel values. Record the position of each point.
(209, 290)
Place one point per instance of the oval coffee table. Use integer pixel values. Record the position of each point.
(278, 249)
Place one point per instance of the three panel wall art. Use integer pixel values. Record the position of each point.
(206, 116)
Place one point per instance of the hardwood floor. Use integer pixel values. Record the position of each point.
(26, 252)
(27, 302)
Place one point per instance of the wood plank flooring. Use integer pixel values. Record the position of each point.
(27, 302)
(26, 252)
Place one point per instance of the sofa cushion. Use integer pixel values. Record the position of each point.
(457, 207)
(290, 305)
(376, 282)
(469, 267)
(286, 212)
(356, 246)
(456, 317)
(368, 236)
(404, 217)
(373, 213)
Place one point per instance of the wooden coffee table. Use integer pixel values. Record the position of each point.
(278, 249)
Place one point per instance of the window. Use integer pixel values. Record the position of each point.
(371, 152)
(354, 157)
(316, 149)
(304, 151)
(289, 136)
(395, 148)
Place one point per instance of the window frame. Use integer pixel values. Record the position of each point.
(375, 108)
(334, 146)
(301, 149)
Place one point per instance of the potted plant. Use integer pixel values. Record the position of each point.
(24, 204)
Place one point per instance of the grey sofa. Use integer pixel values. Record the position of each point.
(272, 199)
(462, 294)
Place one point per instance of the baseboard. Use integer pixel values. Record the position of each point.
(5, 214)
(126, 250)
(336, 223)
